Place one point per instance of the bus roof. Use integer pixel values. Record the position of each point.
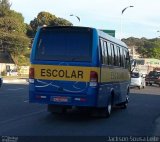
(110, 38)
(100, 33)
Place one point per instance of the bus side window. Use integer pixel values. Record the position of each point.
(116, 55)
(122, 56)
(102, 52)
(119, 56)
(125, 63)
(106, 53)
(113, 54)
(109, 53)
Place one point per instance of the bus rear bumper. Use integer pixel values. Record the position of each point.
(84, 100)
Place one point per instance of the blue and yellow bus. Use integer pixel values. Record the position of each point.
(78, 67)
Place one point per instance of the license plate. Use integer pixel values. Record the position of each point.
(60, 99)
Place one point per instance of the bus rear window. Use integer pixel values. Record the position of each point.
(64, 45)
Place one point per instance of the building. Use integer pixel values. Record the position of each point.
(145, 65)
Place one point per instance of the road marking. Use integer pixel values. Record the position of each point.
(15, 89)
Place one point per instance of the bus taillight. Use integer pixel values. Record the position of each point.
(93, 78)
(31, 73)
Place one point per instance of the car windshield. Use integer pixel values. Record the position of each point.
(154, 73)
(135, 75)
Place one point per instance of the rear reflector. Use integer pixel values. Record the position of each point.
(41, 97)
(80, 99)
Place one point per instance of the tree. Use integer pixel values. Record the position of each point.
(43, 18)
(156, 52)
(15, 44)
(142, 51)
(147, 48)
(29, 32)
(134, 41)
(12, 31)
(4, 7)
(60, 22)
(46, 18)
(11, 24)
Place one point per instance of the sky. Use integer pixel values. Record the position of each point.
(142, 20)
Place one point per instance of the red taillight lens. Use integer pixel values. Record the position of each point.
(31, 73)
(93, 78)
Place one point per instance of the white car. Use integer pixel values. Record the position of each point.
(13, 72)
(137, 80)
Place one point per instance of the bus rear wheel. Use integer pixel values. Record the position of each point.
(108, 109)
(106, 112)
(125, 104)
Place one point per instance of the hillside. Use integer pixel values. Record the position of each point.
(147, 48)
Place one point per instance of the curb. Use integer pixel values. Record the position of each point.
(15, 81)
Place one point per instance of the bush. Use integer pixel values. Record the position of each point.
(3, 73)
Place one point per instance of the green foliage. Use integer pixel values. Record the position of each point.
(60, 22)
(23, 61)
(147, 48)
(15, 44)
(12, 31)
(46, 18)
(43, 18)
(12, 25)
(16, 36)
(4, 7)
(134, 41)
(30, 33)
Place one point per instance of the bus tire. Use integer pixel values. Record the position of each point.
(106, 112)
(124, 105)
(109, 108)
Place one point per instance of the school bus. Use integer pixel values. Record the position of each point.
(79, 67)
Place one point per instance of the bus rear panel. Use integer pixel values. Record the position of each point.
(64, 67)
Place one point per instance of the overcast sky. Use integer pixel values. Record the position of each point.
(142, 20)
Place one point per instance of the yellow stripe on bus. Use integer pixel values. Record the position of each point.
(77, 73)
(114, 75)
(66, 73)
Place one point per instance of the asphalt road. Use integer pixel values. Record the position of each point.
(19, 118)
